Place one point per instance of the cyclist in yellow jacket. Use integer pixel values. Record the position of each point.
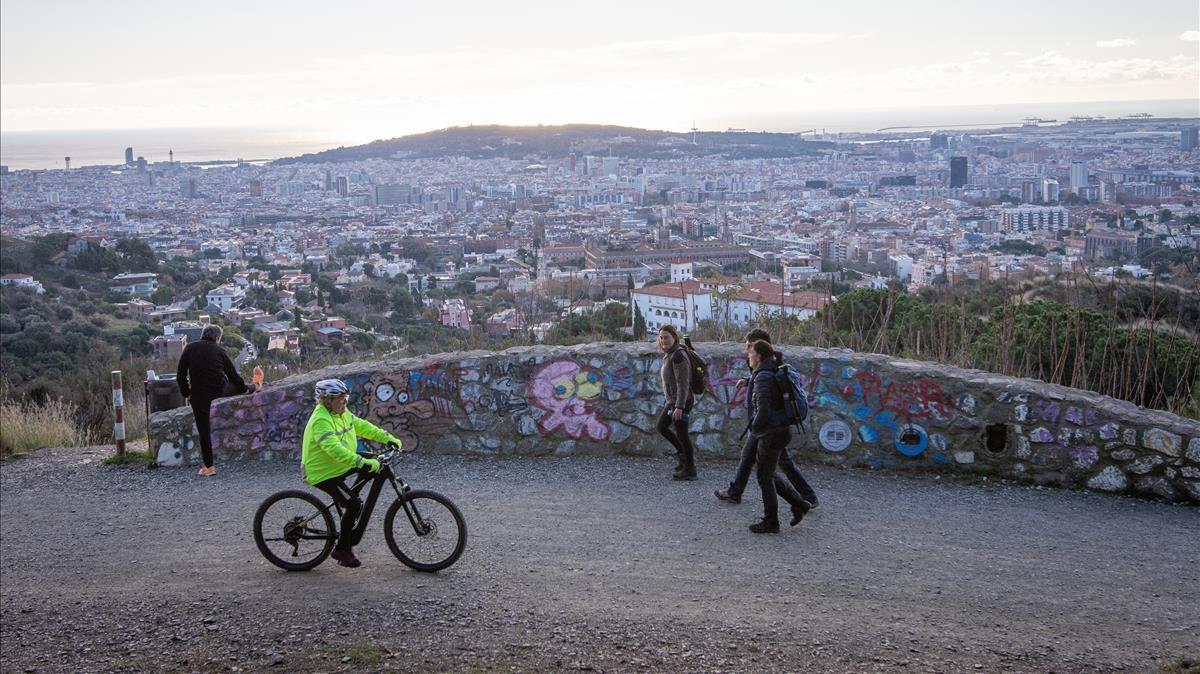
(329, 456)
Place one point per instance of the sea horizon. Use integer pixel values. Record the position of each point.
(46, 149)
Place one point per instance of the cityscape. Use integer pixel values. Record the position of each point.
(645, 337)
(708, 231)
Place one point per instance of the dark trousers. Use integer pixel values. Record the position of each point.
(676, 433)
(786, 466)
(201, 407)
(769, 448)
(345, 499)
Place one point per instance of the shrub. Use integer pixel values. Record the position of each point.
(26, 426)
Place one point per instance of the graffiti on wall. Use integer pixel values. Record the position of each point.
(723, 378)
(570, 394)
(391, 402)
(272, 419)
(882, 408)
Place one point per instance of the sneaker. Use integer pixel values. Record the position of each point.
(798, 512)
(765, 527)
(728, 496)
(812, 501)
(207, 471)
(345, 557)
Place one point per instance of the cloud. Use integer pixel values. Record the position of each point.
(1190, 35)
(1115, 43)
(1011, 53)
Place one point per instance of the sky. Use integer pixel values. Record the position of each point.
(383, 69)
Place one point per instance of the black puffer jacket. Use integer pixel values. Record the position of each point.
(765, 403)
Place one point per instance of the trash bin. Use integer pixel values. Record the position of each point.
(162, 394)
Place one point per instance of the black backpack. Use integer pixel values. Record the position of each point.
(698, 368)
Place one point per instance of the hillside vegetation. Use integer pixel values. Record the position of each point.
(535, 142)
(1079, 339)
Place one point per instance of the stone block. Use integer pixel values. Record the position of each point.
(1192, 488)
(1144, 464)
(1193, 450)
(1159, 486)
(1161, 441)
(1111, 479)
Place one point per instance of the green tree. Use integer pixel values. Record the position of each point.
(162, 295)
(136, 255)
(46, 247)
(403, 306)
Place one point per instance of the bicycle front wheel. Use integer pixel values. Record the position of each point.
(294, 530)
(425, 530)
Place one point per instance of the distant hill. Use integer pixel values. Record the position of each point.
(551, 142)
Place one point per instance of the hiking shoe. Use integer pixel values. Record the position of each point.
(798, 512)
(345, 557)
(207, 471)
(765, 527)
(728, 496)
(686, 473)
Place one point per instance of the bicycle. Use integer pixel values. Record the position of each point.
(298, 522)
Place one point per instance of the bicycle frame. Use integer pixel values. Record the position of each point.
(385, 476)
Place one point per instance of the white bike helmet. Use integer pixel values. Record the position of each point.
(331, 387)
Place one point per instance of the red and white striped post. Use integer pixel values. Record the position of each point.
(119, 410)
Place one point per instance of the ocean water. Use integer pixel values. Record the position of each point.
(963, 116)
(46, 149)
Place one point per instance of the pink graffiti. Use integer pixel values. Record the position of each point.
(722, 383)
(565, 390)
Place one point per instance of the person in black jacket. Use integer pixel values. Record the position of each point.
(733, 493)
(769, 425)
(205, 374)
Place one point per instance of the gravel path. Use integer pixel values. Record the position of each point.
(594, 564)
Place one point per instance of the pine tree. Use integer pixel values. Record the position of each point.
(639, 323)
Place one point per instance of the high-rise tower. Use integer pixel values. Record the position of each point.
(958, 172)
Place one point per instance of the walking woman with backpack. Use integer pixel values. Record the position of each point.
(770, 426)
(676, 374)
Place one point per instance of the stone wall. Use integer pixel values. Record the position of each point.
(867, 410)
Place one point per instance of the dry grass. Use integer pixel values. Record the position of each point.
(135, 414)
(25, 426)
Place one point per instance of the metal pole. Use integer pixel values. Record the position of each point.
(148, 450)
(119, 411)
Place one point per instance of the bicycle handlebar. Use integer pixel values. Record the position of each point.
(389, 453)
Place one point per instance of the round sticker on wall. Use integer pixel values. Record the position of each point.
(835, 435)
(911, 440)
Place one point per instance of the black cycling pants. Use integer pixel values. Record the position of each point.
(347, 500)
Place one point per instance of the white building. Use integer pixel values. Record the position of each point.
(134, 283)
(22, 281)
(226, 297)
(1028, 218)
(902, 266)
(1049, 190)
(687, 303)
(1079, 176)
(681, 270)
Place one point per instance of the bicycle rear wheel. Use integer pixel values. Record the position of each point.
(294, 530)
(429, 534)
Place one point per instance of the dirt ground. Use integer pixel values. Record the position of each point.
(595, 565)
